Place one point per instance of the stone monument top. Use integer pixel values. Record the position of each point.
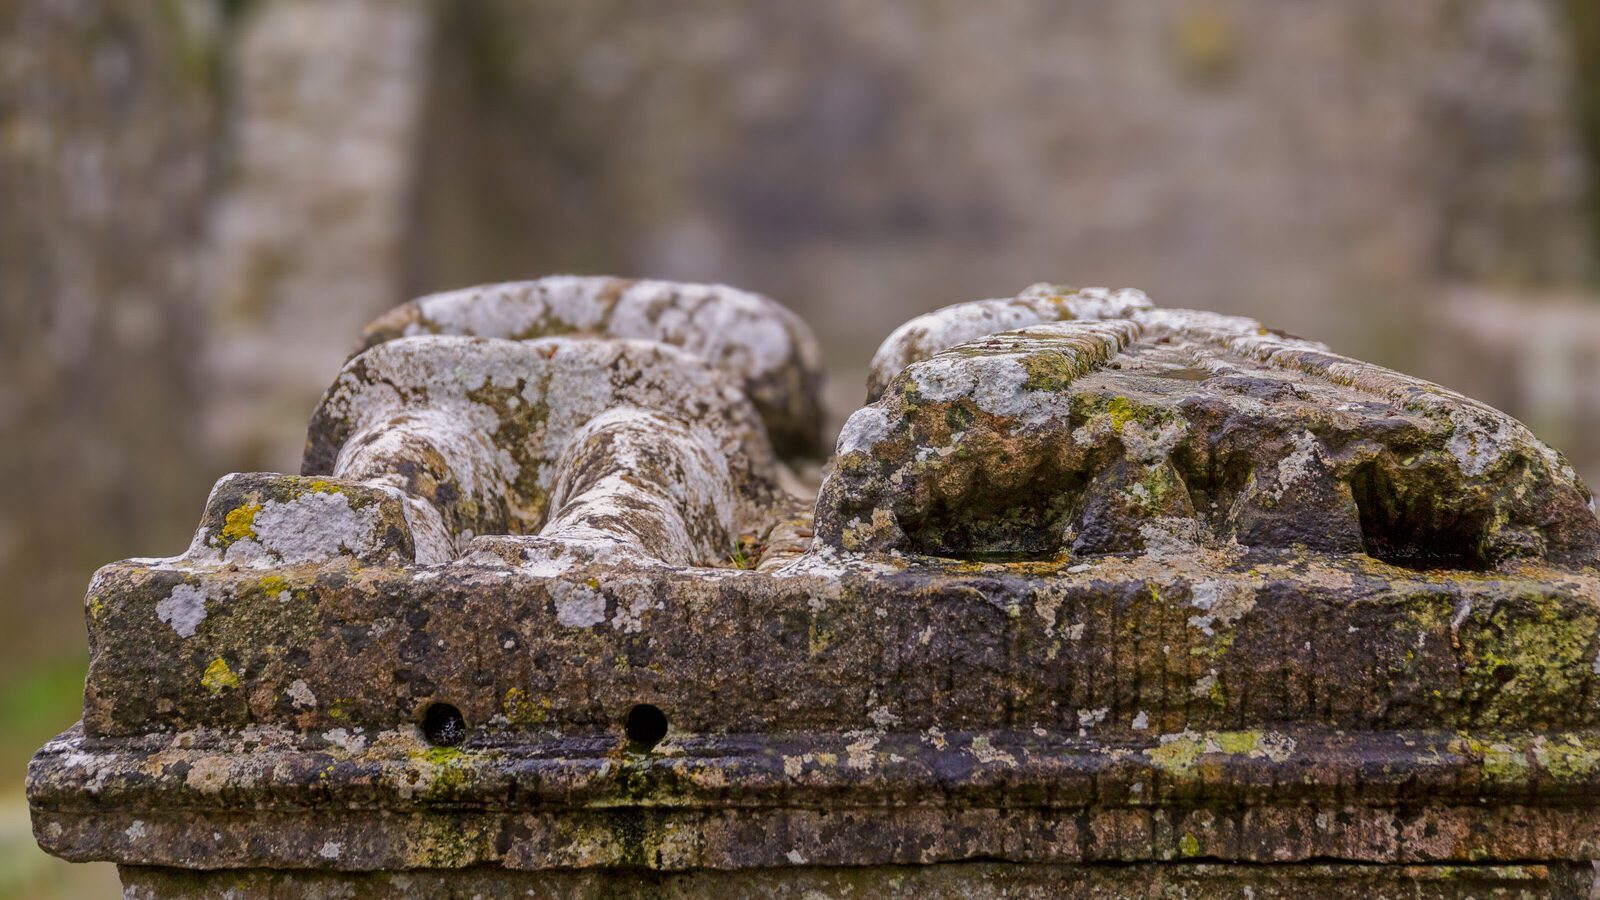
(552, 606)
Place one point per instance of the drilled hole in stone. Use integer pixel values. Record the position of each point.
(646, 725)
(443, 725)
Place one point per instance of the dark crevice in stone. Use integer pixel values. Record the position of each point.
(1409, 527)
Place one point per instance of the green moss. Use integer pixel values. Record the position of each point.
(445, 842)
(746, 552)
(1121, 411)
(1515, 761)
(1153, 488)
(1189, 845)
(1568, 758)
(638, 837)
(1180, 755)
(218, 677)
(819, 636)
(959, 415)
(444, 770)
(1526, 659)
(1177, 756)
(1049, 370)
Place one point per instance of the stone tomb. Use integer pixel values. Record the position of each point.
(1094, 599)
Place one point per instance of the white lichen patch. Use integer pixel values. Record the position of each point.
(1222, 603)
(1479, 442)
(314, 527)
(208, 774)
(184, 609)
(635, 597)
(985, 752)
(859, 754)
(594, 444)
(351, 742)
(578, 605)
(1171, 535)
(1297, 466)
(300, 695)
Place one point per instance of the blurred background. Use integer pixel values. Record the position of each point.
(202, 201)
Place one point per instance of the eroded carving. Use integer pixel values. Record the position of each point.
(1084, 579)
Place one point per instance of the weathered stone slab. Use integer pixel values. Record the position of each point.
(976, 880)
(1118, 586)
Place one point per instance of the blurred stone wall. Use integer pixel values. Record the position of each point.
(108, 127)
(308, 228)
(205, 198)
(1324, 166)
(204, 202)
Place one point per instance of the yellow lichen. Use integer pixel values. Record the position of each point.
(218, 677)
(1121, 411)
(240, 522)
(524, 710)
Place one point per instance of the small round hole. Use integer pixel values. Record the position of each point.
(646, 725)
(443, 725)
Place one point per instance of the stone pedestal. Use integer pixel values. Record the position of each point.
(1095, 599)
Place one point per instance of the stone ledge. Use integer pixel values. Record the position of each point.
(754, 801)
(977, 880)
(1165, 643)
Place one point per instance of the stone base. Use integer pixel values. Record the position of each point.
(972, 880)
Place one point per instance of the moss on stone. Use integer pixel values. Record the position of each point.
(1525, 653)
(1179, 755)
(1050, 370)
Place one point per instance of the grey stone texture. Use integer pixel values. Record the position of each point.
(1126, 601)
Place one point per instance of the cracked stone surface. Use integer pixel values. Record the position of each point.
(1086, 581)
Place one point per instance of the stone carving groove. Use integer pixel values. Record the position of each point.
(1085, 581)
(502, 436)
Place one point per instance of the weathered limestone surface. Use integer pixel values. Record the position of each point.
(1169, 430)
(981, 881)
(1087, 582)
(761, 344)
